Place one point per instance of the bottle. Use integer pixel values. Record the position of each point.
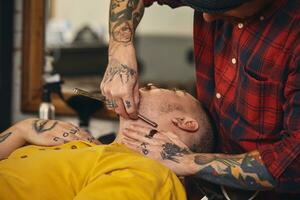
(46, 109)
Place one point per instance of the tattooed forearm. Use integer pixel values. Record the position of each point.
(41, 126)
(241, 171)
(170, 151)
(4, 136)
(124, 72)
(124, 18)
(122, 32)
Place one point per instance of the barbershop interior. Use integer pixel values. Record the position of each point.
(137, 100)
(56, 46)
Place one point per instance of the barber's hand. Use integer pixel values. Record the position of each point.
(162, 146)
(120, 82)
(51, 132)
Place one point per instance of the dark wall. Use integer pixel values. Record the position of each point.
(6, 52)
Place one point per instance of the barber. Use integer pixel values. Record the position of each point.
(248, 77)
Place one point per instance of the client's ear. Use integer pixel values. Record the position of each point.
(186, 123)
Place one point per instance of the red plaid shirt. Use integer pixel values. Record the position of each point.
(248, 76)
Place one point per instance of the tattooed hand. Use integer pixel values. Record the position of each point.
(164, 147)
(51, 132)
(40, 132)
(120, 86)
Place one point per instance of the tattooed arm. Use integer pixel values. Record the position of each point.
(40, 132)
(124, 18)
(245, 171)
(241, 171)
(9, 141)
(120, 84)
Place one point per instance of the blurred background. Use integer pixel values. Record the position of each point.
(75, 48)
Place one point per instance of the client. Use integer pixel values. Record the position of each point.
(82, 170)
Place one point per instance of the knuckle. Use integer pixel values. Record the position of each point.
(101, 87)
(119, 94)
(105, 90)
(130, 111)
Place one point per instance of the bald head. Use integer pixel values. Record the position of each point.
(178, 112)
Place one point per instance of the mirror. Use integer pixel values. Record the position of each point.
(75, 35)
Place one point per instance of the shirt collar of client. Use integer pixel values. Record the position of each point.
(213, 6)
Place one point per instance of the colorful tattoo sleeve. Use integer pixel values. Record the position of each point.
(245, 171)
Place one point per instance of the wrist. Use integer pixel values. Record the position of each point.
(114, 46)
(191, 166)
(123, 55)
(23, 130)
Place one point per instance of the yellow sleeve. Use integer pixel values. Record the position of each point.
(118, 186)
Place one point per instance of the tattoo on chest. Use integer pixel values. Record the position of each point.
(171, 151)
(4, 136)
(124, 73)
(41, 125)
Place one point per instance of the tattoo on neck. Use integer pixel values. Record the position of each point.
(171, 151)
(41, 125)
(4, 136)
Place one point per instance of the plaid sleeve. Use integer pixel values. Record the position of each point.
(171, 3)
(282, 158)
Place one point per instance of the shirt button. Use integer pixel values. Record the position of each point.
(261, 18)
(218, 95)
(240, 25)
(233, 60)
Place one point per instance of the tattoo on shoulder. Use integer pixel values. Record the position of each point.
(4, 136)
(171, 151)
(41, 125)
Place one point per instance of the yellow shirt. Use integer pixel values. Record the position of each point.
(83, 171)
